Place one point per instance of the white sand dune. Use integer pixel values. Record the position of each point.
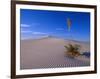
(49, 53)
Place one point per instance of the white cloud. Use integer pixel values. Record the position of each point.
(59, 29)
(26, 31)
(40, 33)
(25, 25)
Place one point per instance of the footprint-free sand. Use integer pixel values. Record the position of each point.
(49, 53)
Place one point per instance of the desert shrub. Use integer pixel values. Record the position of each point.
(72, 50)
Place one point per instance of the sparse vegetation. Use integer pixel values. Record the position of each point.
(72, 50)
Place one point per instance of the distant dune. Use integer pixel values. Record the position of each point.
(49, 53)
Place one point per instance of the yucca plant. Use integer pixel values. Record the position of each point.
(72, 50)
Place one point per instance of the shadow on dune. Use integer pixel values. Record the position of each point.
(87, 54)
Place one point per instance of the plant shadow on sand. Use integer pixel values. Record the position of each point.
(87, 54)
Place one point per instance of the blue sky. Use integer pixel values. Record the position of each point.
(39, 23)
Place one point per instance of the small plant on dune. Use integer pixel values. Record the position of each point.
(72, 50)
